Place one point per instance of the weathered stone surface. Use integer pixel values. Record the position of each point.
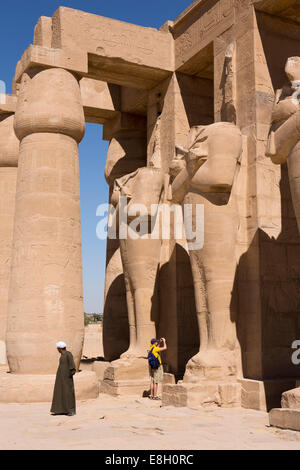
(126, 377)
(101, 101)
(118, 52)
(124, 369)
(195, 29)
(37, 56)
(26, 388)
(205, 393)
(99, 367)
(291, 398)
(288, 9)
(285, 418)
(264, 395)
(43, 32)
(138, 388)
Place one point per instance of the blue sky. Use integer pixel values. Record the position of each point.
(17, 21)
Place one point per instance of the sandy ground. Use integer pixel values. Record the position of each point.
(127, 423)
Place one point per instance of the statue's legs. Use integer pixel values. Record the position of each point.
(131, 317)
(140, 260)
(213, 269)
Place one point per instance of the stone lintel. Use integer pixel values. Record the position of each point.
(118, 52)
(109, 69)
(101, 101)
(135, 56)
(8, 104)
(112, 39)
(134, 101)
(201, 64)
(198, 27)
(288, 9)
(116, 70)
(40, 57)
(124, 122)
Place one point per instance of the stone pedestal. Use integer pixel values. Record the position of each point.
(264, 395)
(205, 393)
(126, 377)
(99, 367)
(18, 388)
(287, 417)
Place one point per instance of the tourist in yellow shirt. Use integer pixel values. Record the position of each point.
(155, 366)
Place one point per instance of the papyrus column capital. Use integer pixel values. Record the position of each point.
(49, 101)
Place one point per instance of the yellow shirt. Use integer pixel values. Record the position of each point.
(155, 352)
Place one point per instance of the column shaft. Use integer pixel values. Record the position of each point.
(45, 300)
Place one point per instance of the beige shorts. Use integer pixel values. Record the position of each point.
(156, 375)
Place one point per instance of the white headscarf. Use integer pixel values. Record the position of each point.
(61, 345)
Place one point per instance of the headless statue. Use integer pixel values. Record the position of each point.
(203, 173)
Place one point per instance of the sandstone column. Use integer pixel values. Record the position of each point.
(45, 298)
(9, 152)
